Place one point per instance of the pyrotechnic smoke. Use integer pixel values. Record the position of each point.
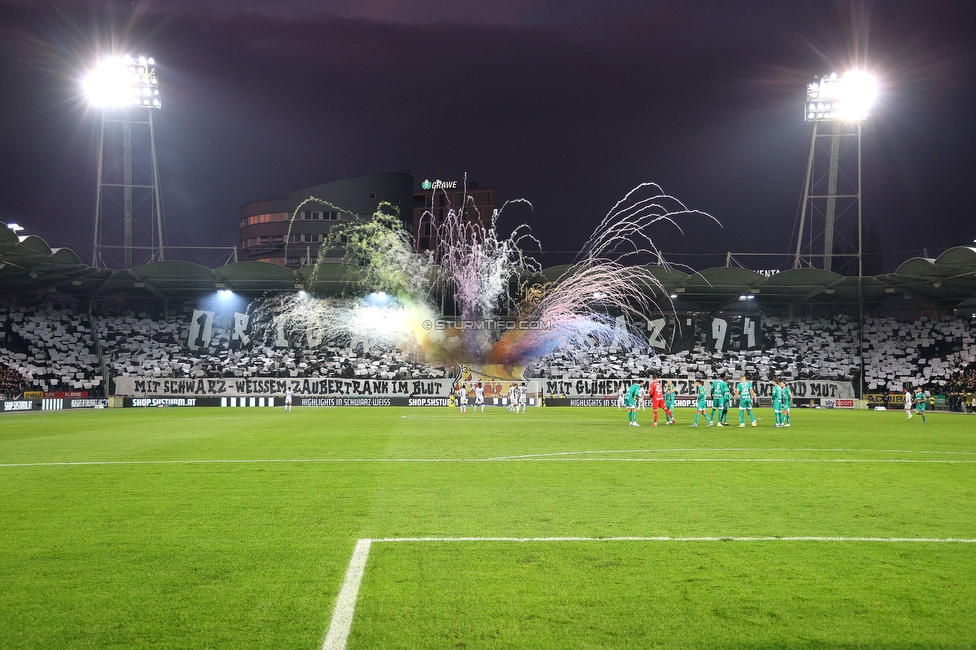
(479, 269)
(577, 311)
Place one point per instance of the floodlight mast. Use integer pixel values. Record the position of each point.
(841, 103)
(122, 87)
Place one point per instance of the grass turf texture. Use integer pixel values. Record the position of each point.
(253, 554)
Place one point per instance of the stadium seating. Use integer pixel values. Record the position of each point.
(52, 350)
(896, 354)
(58, 350)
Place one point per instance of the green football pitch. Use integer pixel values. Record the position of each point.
(426, 528)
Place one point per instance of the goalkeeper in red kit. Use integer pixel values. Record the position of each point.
(656, 395)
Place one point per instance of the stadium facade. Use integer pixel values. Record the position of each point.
(435, 198)
(269, 234)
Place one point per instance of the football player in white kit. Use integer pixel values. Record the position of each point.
(479, 397)
(512, 397)
(462, 398)
(523, 396)
(641, 399)
(620, 396)
(289, 394)
(908, 402)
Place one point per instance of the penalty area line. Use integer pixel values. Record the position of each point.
(345, 607)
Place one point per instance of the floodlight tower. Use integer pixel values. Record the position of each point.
(840, 104)
(126, 91)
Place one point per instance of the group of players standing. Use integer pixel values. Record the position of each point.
(518, 397)
(635, 397)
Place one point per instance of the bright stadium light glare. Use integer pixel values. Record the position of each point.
(16, 227)
(225, 293)
(123, 81)
(378, 299)
(846, 98)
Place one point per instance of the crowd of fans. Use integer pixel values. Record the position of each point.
(803, 349)
(924, 352)
(50, 349)
(11, 380)
(962, 390)
(137, 347)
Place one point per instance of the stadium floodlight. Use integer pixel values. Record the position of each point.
(123, 81)
(16, 227)
(842, 103)
(378, 299)
(846, 98)
(118, 85)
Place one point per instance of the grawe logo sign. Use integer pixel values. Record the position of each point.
(439, 185)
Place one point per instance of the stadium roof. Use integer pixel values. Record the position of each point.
(29, 266)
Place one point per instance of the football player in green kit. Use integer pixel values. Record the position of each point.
(777, 395)
(669, 397)
(718, 398)
(630, 401)
(702, 403)
(786, 396)
(920, 403)
(727, 400)
(745, 394)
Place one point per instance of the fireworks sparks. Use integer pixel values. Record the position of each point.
(491, 279)
(579, 309)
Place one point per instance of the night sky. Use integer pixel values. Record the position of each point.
(566, 104)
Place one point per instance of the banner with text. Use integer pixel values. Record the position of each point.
(685, 388)
(270, 387)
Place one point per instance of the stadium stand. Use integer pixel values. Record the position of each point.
(923, 352)
(56, 349)
(896, 354)
(59, 350)
(139, 346)
(51, 350)
(793, 352)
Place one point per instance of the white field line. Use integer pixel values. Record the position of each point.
(800, 538)
(514, 459)
(345, 607)
(684, 449)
